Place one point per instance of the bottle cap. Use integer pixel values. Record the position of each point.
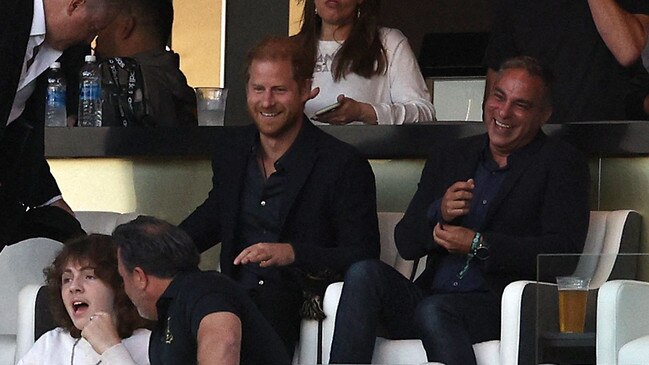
(91, 58)
(56, 65)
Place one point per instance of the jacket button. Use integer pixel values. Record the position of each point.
(261, 282)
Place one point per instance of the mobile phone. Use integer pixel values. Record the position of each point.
(327, 109)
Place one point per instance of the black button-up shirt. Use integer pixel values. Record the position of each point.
(488, 179)
(262, 203)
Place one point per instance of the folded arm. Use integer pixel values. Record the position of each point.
(625, 34)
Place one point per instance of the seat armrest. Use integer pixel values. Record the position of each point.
(330, 308)
(620, 319)
(26, 319)
(310, 333)
(518, 342)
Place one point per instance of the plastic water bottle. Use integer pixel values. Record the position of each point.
(55, 115)
(90, 94)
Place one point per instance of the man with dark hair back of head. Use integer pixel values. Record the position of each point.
(486, 206)
(141, 31)
(201, 317)
(292, 206)
(34, 35)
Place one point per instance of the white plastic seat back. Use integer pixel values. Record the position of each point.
(26, 319)
(102, 222)
(603, 241)
(20, 264)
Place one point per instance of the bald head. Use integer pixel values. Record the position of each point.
(70, 22)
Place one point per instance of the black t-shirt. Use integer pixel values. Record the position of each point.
(192, 296)
(589, 82)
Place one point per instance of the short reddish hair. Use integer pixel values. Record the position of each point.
(282, 49)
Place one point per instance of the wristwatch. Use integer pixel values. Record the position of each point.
(482, 250)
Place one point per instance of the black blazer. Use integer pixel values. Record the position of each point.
(25, 178)
(15, 24)
(542, 207)
(331, 221)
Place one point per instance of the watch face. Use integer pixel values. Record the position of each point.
(482, 252)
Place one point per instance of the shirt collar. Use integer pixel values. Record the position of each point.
(517, 155)
(290, 157)
(38, 21)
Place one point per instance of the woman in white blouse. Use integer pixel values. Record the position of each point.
(370, 71)
(98, 323)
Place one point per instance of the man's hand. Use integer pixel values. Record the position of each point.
(454, 239)
(457, 200)
(101, 332)
(267, 254)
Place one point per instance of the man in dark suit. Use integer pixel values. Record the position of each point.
(33, 34)
(486, 206)
(292, 206)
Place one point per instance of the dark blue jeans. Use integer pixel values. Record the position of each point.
(376, 299)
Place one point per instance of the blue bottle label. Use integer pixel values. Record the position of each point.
(56, 97)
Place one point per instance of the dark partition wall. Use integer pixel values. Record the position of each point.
(247, 22)
(415, 18)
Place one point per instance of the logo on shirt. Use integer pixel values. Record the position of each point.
(323, 62)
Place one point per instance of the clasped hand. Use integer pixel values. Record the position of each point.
(267, 254)
(457, 200)
(101, 332)
(455, 203)
(455, 239)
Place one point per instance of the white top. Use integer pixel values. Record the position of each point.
(55, 348)
(44, 58)
(398, 96)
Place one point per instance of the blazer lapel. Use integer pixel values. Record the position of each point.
(232, 184)
(15, 25)
(304, 155)
(471, 155)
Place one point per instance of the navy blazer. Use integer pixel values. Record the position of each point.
(542, 207)
(331, 220)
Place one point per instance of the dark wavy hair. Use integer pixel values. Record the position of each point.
(362, 53)
(99, 252)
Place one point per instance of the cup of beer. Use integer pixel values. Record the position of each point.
(573, 294)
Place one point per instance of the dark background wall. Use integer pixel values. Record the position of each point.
(247, 22)
(418, 17)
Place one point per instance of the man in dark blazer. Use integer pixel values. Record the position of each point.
(33, 34)
(486, 206)
(292, 206)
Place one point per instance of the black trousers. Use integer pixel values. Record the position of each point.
(280, 302)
